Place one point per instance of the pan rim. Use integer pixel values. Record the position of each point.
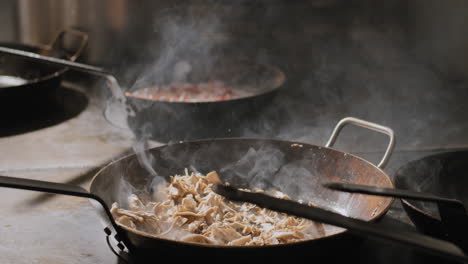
(280, 80)
(388, 201)
(415, 208)
(411, 163)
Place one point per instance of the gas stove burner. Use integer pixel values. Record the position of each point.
(31, 114)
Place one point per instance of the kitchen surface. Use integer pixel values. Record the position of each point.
(385, 64)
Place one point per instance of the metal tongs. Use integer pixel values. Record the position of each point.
(359, 227)
(452, 212)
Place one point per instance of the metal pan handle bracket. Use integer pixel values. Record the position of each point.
(120, 252)
(369, 125)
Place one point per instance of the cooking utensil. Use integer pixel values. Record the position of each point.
(453, 213)
(243, 165)
(443, 175)
(115, 87)
(397, 193)
(163, 120)
(118, 101)
(31, 96)
(174, 121)
(23, 82)
(359, 227)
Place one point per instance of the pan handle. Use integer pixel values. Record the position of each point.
(112, 82)
(57, 188)
(369, 125)
(57, 42)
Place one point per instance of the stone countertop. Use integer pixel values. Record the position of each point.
(85, 141)
(43, 229)
(40, 228)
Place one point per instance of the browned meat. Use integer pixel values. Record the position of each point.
(186, 92)
(192, 212)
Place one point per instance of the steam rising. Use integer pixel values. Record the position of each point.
(256, 166)
(186, 43)
(339, 62)
(267, 168)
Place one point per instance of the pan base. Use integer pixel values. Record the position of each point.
(30, 114)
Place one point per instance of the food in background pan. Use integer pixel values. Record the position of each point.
(186, 92)
(186, 209)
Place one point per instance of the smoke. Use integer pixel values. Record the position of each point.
(269, 168)
(185, 45)
(144, 157)
(338, 62)
(255, 166)
(190, 43)
(356, 63)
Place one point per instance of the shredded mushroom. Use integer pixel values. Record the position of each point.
(192, 212)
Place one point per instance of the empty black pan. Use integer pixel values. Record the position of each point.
(453, 215)
(25, 84)
(444, 175)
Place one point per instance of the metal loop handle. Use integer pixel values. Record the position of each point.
(369, 125)
(56, 43)
(112, 82)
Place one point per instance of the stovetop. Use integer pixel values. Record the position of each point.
(40, 228)
(367, 78)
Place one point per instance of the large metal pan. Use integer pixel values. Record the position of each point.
(442, 174)
(292, 167)
(25, 83)
(174, 121)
